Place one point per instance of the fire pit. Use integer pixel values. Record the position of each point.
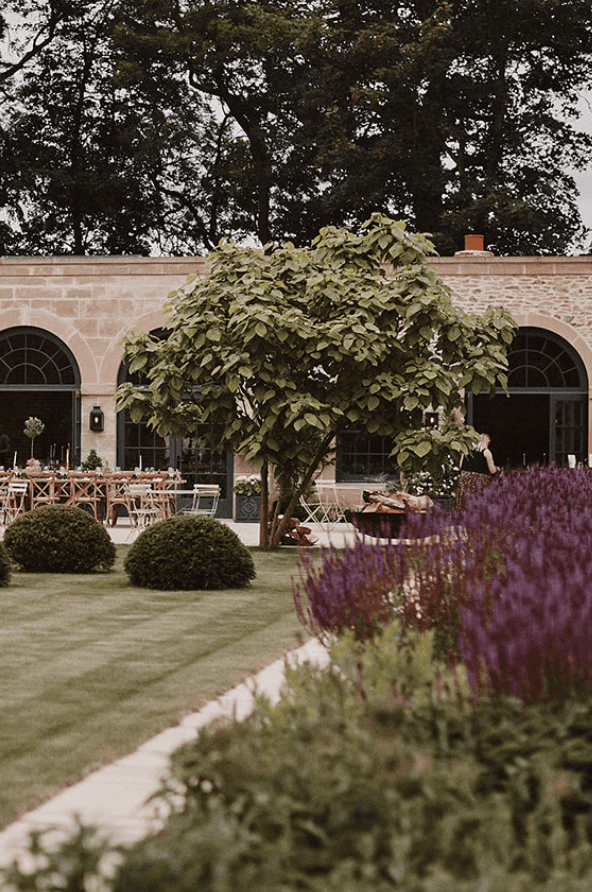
(378, 524)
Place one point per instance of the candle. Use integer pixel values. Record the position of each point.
(68, 458)
(14, 462)
(140, 462)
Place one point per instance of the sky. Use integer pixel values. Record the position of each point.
(583, 178)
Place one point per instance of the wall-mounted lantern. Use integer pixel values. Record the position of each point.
(431, 419)
(97, 419)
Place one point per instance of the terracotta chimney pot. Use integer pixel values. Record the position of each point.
(474, 243)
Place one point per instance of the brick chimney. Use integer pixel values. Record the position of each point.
(474, 243)
(474, 247)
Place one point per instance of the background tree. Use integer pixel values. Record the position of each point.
(185, 121)
(280, 350)
(27, 27)
(453, 116)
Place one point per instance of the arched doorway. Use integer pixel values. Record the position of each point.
(545, 418)
(39, 377)
(138, 445)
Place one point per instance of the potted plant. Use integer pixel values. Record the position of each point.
(92, 462)
(247, 490)
(442, 492)
(33, 427)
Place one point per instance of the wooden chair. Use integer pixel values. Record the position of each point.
(116, 497)
(42, 490)
(85, 491)
(163, 488)
(205, 500)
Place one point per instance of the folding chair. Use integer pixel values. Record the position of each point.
(141, 507)
(14, 504)
(324, 505)
(205, 500)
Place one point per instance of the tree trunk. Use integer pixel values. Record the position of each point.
(264, 512)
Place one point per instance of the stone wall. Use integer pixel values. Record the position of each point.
(92, 303)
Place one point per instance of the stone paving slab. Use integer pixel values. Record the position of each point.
(339, 534)
(117, 798)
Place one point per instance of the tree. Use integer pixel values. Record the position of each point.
(281, 349)
(27, 28)
(270, 120)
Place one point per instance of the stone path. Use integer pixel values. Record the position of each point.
(115, 799)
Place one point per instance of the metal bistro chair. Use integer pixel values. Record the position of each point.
(205, 500)
(141, 507)
(324, 505)
(14, 504)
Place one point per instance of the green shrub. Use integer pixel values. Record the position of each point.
(189, 553)
(59, 539)
(336, 793)
(5, 566)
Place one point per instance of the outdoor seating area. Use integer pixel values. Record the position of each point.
(144, 496)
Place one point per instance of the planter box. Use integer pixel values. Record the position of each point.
(447, 502)
(247, 509)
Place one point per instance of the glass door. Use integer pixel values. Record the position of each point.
(569, 435)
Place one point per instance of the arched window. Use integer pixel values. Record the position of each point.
(546, 417)
(30, 357)
(538, 360)
(39, 376)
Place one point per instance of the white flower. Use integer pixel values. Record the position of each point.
(33, 427)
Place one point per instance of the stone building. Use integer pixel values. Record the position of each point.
(62, 321)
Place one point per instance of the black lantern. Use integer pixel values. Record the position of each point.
(431, 419)
(97, 419)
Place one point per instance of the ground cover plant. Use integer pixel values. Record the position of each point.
(409, 763)
(90, 666)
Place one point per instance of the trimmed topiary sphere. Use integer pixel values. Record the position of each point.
(5, 566)
(59, 539)
(189, 553)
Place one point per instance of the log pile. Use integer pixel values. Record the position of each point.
(393, 502)
(297, 534)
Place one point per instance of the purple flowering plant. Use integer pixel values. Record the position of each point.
(535, 640)
(506, 584)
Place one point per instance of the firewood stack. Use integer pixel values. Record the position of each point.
(393, 502)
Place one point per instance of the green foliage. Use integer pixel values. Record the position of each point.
(189, 553)
(281, 350)
(84, 861)
(59, 539)
(92, 461)
(5, 565)
(330, 791)
(350, 789)
(331, 111)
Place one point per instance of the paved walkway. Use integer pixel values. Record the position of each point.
(339, 534)
(115, 798)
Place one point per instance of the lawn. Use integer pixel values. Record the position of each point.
(91, 666)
